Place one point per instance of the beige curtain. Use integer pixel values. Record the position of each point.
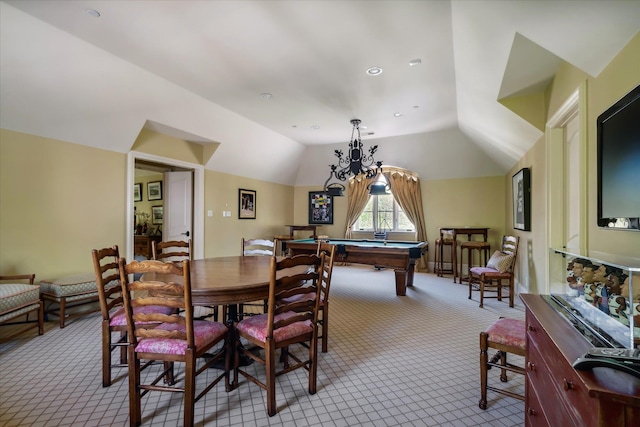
(405, 187)
(358, 197)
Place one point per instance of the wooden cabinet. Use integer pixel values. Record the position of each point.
(142, 245)
(558, 395)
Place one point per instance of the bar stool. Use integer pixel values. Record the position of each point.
(472, 246)
(448, 242)
(506, 336)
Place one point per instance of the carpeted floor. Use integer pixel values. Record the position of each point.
(410, 361)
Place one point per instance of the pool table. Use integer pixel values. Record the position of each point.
(401, 256)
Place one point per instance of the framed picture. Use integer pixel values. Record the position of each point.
(154, 190)
(137, 192)
(521, 188)
(320, 208)
(246, 204)
(157, 215)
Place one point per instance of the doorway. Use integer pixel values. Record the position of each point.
(143, 161)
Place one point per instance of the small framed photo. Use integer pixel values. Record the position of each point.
(320, 208)
(157, 215)
(247, 204)
(154, 190)
(521, 188)
(137, 192)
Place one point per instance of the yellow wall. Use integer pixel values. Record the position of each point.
(57, 202)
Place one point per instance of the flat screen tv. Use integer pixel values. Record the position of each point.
(619, 164)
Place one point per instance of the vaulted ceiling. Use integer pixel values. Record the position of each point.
(199, 70)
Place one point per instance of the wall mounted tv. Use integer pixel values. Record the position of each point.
(619, 164)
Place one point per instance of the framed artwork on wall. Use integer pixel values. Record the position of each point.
(157, 215)
(320, 208)
(521, 188)
(137, 192)
(246, 204)
(154, 190)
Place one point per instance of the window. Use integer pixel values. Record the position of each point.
(382, 213)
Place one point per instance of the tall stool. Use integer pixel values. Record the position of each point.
(506, 336)
(472, 246)
(445, 242)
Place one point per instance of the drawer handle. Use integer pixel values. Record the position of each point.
(531, 366)
(531, 411)
(567, 385)
(532, 328)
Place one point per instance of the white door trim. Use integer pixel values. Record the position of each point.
(198, 199)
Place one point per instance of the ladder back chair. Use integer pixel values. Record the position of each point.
(171, 251)
(105, 266)
(177, 337)
(256, 247)
(288, 321)
(501, 266)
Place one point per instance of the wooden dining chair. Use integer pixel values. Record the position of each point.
(501, 266)
(255, 247)
(171, 251)
(114, 322)
(285, 324)
(178, 337)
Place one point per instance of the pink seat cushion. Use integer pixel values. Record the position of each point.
(303, 297)
(118, 317)
(205, 332)
(509, 332)
(256, 327)
(479, 271)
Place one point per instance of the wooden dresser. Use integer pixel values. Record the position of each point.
(142, 245)
(558, 395)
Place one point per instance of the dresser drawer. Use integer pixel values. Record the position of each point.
(549, 370)
(534, 415)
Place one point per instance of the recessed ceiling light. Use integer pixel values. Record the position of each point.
(93, 12)
(374, 71)
(315, 127)
(266, 95)
(397, 114)
(415, 62)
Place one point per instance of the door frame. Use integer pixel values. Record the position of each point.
(198, 199)
(555, 141)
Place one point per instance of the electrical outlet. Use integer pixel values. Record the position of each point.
(226, 213)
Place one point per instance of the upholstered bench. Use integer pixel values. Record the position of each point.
(69, 292)
(19, 299)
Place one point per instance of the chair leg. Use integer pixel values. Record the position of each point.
(189, 389)
(313, 367)
(481, 292)
(41, 318)
(483, 370)
(270, 367)
(106, 354)
(325, 327)
(511, 286)
(135, 411)
(63, 302)
(503, 362)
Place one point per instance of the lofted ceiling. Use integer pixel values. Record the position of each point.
(198, 70)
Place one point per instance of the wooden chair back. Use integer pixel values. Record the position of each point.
(510, 246)
(171, 251)
(264, 247)
(105, 266)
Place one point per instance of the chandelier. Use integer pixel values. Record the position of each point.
(356, 162)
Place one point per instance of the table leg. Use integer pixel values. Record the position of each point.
(401, 282)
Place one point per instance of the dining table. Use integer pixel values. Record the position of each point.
(227, 280)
